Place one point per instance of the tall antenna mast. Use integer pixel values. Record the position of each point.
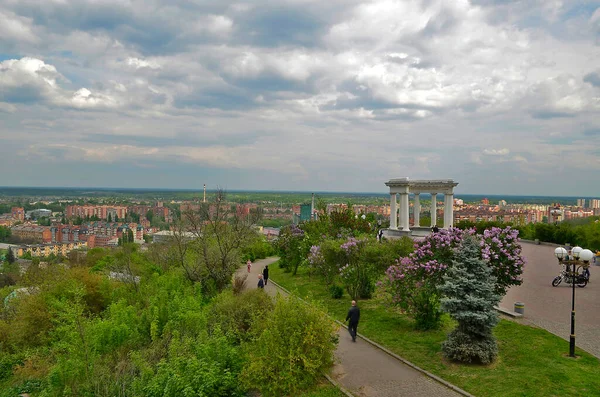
(204, 201)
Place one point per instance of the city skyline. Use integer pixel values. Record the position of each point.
(500, 96)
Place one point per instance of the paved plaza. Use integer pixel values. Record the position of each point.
(549, 307)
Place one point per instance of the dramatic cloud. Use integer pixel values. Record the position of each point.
(502, 96)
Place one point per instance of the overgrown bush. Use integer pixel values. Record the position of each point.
(239, 284)
(336, 291)
(295, 348)
(237, 315)
(257, 248)
(201, 366)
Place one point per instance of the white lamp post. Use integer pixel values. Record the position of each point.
(580, 258)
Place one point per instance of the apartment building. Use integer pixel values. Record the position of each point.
(39, 250)
(101, 211)
(33, 233)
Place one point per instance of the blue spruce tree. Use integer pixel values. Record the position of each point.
(469, 298)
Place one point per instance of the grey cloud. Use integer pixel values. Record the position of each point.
(593, 78)
(248, 87)
(592, 132)
(274, 26)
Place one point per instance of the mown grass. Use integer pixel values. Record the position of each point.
(531, 361)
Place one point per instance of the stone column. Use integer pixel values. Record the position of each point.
(393, 211)
(417, 211)
(433, 209)
(448, 210)
(404, 213)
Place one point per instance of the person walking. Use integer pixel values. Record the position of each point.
(354, 317)
(266, 274)
(249, 264)
(261, 283)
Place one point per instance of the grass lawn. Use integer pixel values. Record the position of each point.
(323, 389)
(531, 362)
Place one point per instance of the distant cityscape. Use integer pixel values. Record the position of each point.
(69, 224)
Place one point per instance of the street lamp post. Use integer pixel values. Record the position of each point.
(580, 258)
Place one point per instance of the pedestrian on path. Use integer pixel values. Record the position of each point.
(249, 264)
(261, 283)
(266, 274)
(354, 317)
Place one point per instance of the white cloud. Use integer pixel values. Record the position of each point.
(16, 29)
(137, 63)
(496, 152)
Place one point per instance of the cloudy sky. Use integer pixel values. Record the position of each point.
(339, 95)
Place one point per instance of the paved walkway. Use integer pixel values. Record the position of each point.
(549, 307)
(361, 368)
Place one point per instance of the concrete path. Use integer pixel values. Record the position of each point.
(361, 368)
(549, 307)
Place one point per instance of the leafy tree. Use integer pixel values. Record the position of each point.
(208, 243)
(290, 245)
(10, 256)
(5, 233)
(150, 215)
(109, 218)
(469, 298)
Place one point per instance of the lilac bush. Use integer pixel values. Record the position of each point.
(501, 249)
(356, 274)
(413, 282)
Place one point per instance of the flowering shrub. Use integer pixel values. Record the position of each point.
(356, 274)
(325, 259)
(289, 244)
(500, 247)
(413, 282)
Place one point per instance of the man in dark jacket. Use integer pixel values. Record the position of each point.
(354, 317)
(261, 283)
(266, 274)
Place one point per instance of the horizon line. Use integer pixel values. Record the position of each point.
(201, 190)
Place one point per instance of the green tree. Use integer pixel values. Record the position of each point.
(109, 218)
(5, 233)
(150, 215)
(208, 243)
(10, 256)
(469, 298)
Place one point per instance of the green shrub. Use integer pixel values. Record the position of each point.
(235, 315)
(336, 291)
(294, 349)
(380, 255)
(203, 367)
(258, 248)
(427, 311)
